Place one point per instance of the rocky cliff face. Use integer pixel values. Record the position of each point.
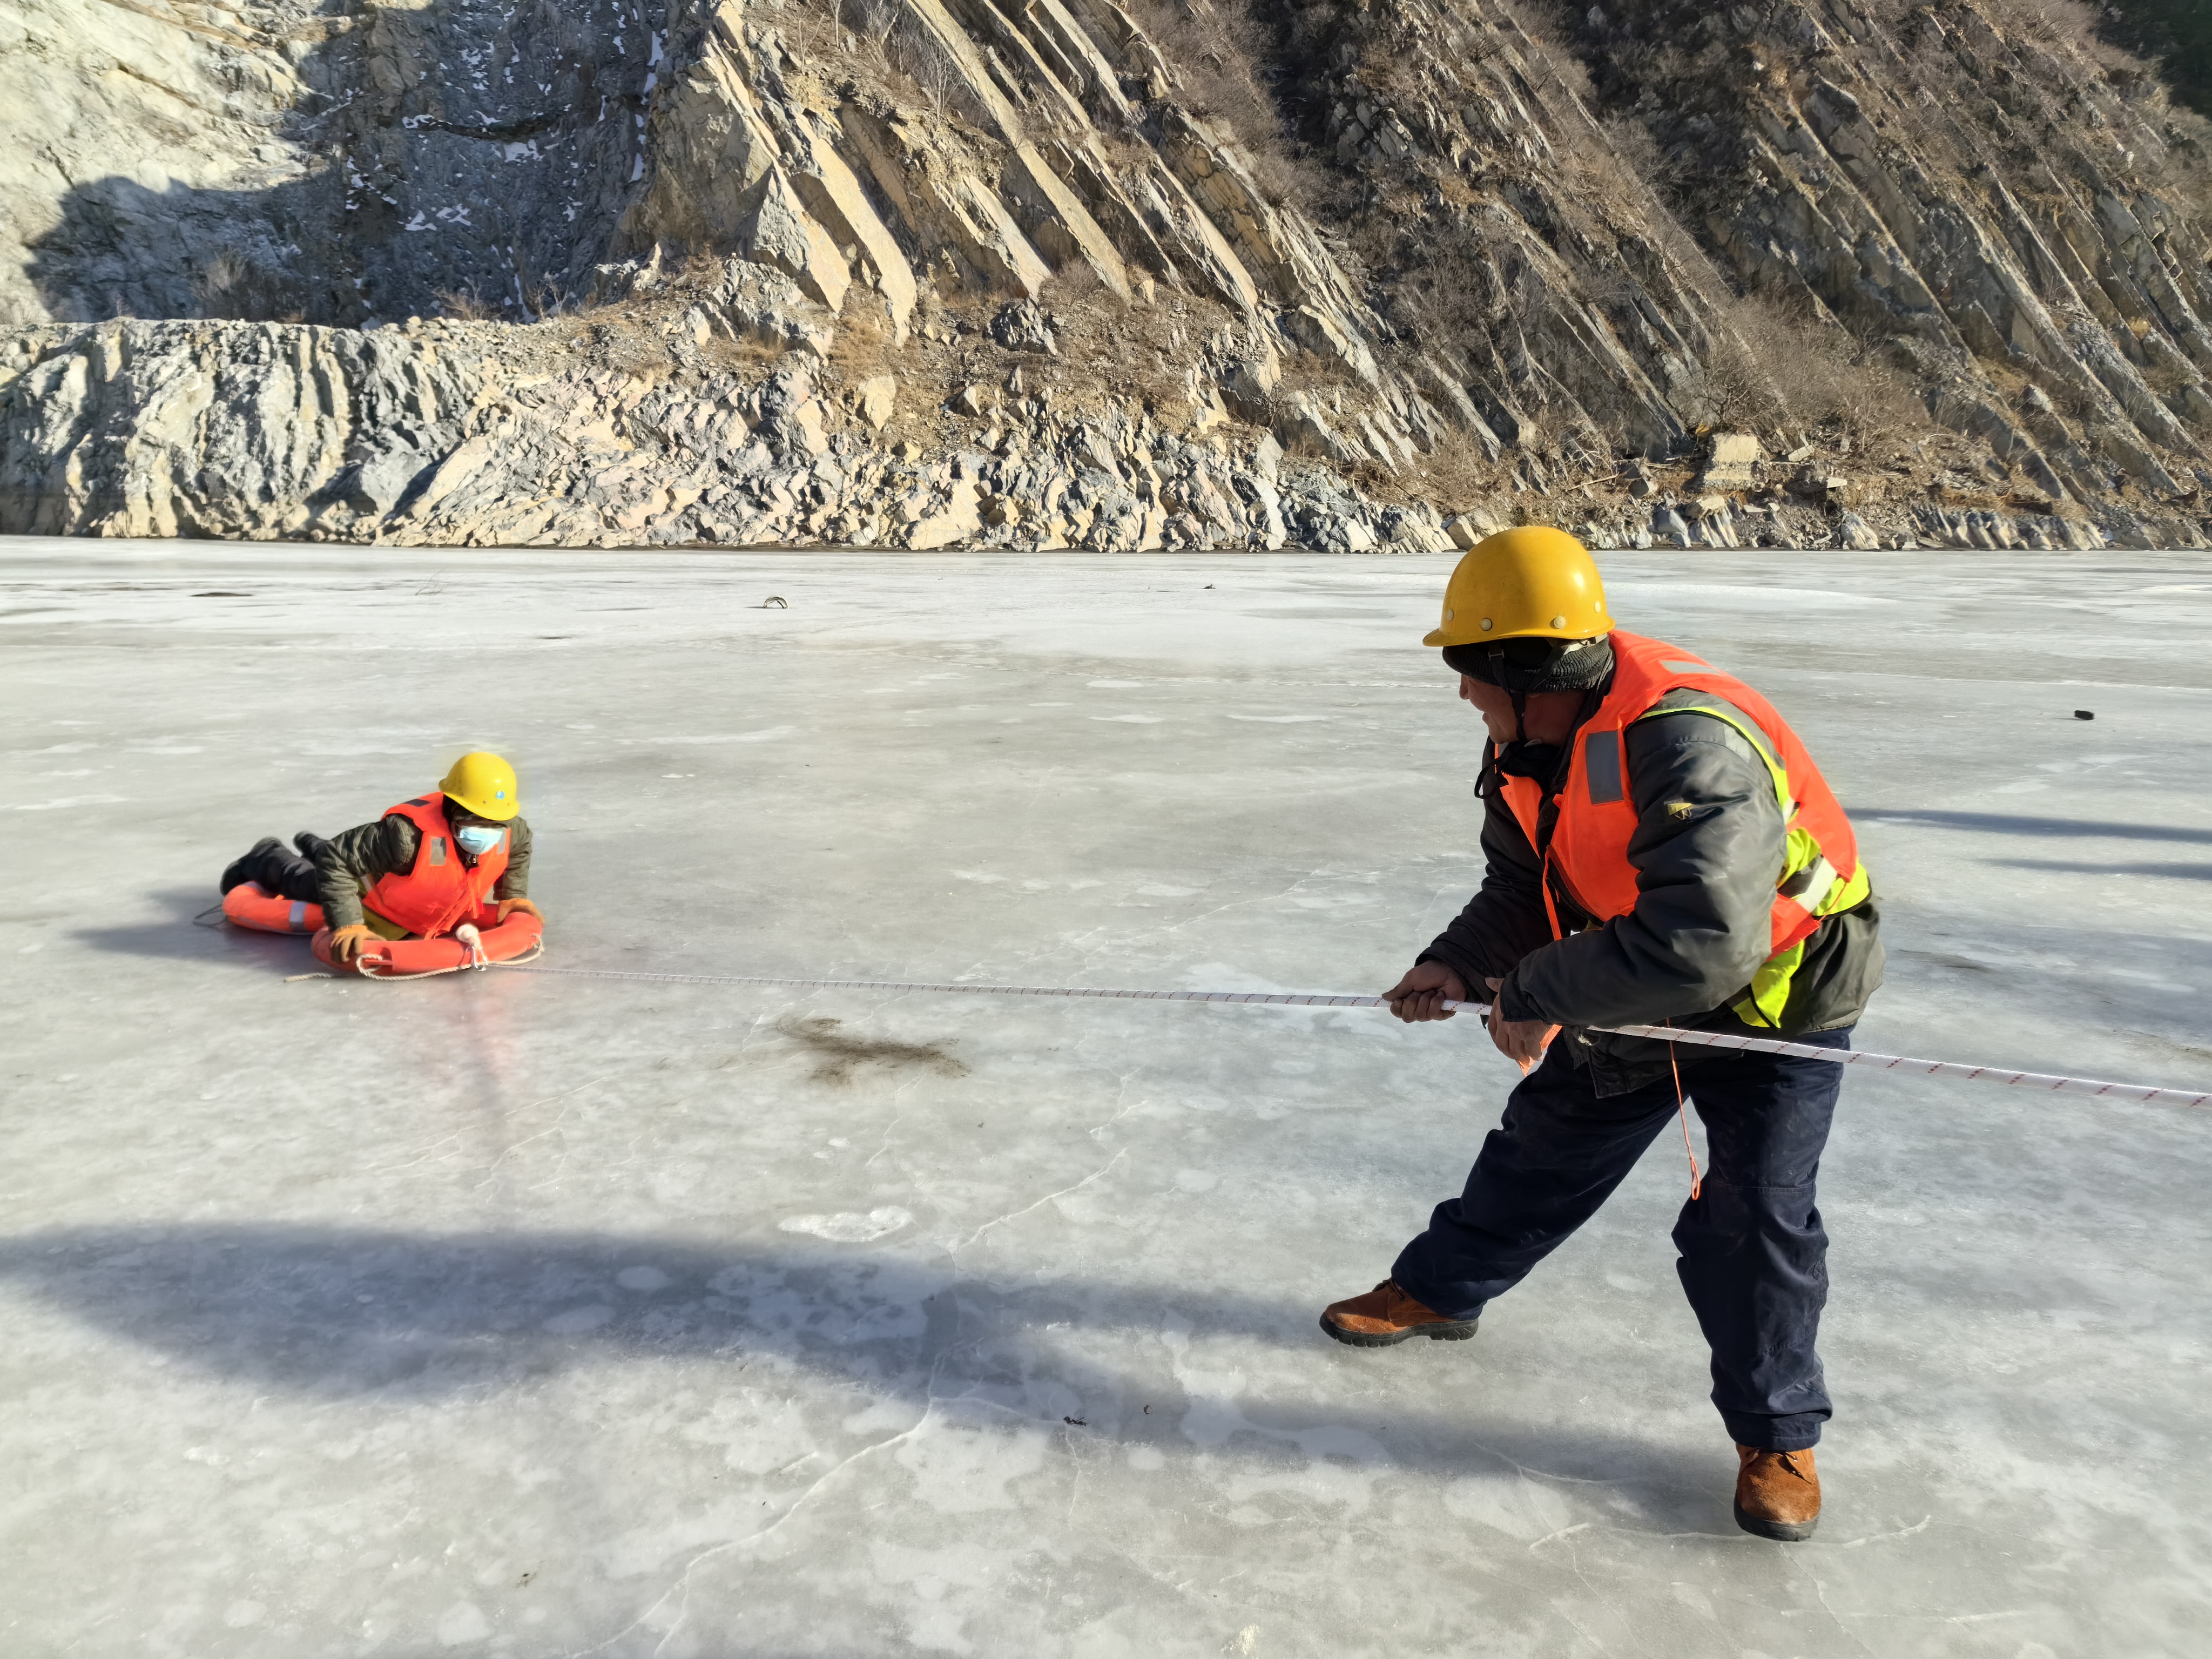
(331, 163)
(1074, 272)
(2024, 236)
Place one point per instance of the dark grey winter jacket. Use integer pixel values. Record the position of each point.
(1708, 849)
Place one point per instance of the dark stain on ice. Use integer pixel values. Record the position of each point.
(2194, 1050)
(838, 1053)
(1942, 961)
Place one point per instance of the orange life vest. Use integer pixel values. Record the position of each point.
(440, 891)
(1820, 875)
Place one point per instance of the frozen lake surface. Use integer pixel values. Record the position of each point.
(535, 1316)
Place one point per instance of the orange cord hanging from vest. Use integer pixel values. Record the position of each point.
(1682, 1113)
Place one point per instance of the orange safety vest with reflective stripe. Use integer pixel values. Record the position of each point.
(441, 891)
(1820, 874)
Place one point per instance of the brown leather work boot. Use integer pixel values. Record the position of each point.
(1777, 1494)
(1387, 1315)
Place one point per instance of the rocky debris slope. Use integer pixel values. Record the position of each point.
(1567, 314)
(913, 271)
(1956, 202)
(2015, 226)
(480, 434)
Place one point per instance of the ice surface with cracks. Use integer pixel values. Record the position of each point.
(463, 1316)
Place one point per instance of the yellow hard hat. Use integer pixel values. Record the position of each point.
(1530, 583)
(483, 784)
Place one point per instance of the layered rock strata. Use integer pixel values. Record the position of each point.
(917, 270)
(2012, 224)
(481, 434)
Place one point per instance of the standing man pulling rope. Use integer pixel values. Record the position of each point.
(1661, 850)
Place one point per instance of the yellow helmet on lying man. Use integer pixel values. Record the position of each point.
(483, 784)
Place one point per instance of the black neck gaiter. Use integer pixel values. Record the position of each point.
(1523, 759)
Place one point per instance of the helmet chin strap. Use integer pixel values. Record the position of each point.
(1591, 700)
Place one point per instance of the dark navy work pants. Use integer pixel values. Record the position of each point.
(1753, 1255)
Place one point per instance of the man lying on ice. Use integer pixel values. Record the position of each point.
(415, 870)
(1661, 850)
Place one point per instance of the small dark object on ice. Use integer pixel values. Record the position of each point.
(2085, 714)
(1077, 1421)
(776, 601)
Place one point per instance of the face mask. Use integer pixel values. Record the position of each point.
(479, 838)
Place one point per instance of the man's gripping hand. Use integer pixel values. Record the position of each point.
(1521, 1041)
(1423, 993)
(347, 943)
(508, 906)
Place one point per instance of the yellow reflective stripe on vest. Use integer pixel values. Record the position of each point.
(1810, 886)
(1800, 853)
(1770, 987)
(1844, 895)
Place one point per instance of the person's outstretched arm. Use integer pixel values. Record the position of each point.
(348, 864)
(512, 891)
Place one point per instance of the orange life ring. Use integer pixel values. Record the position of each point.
(252, 905)
(397, 958)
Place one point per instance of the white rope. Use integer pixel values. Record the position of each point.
(2135, 1092)
(1290, 998)
(2070, 1085)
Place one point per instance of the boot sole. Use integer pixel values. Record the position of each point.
(1456, 1330)
(1782, 1532)
(234, 874)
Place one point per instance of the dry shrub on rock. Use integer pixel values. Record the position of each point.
(1774, 366)
(465, 305)
(1216, 50)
